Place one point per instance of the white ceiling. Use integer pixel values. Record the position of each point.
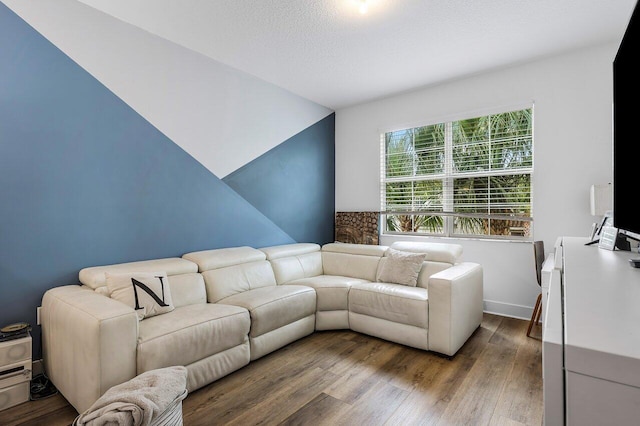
(326, 51)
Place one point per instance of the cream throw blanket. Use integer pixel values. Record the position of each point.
(138, 401)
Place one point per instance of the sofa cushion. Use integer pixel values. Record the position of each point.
(187, 289)
(358, 249)
(276, 306)
(436, 252)
(189, 334)
(294, 261)
(94, 276)
(352, 260)
(429, 268)
(392, 302)
(289, 250)
(223, 257)
(230, 280)
(147, 293)
(331, 291)
(400, 267)
(291, 268)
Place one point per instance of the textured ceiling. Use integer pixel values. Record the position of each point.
(326, 51)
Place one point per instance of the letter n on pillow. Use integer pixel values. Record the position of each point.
(147, 293)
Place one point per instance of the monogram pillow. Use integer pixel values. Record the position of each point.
(147, 293)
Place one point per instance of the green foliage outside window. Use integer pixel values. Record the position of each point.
(469, 177)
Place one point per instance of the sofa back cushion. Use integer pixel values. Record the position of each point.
(219, 258)
(352, 260)
(294, 261)
(187, 289)
(233, 270)
(186, 285)
(436, 252)
(429, 268)
(439, 256)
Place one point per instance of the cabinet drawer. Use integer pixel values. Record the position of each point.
(15, 373)
(14, 395)
(593, 401)
(13, 351)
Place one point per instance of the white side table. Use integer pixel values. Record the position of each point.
(15, 371)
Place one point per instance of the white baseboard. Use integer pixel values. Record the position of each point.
(508, 309)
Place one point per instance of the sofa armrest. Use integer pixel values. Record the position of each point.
(88, 343)
(455, 306)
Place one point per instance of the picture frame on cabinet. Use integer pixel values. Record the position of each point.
(607, 233)
(596, 229)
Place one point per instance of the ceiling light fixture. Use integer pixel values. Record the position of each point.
(363, 7)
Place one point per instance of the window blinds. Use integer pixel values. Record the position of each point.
(478, 167)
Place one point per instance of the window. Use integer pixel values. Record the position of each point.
(466, 178)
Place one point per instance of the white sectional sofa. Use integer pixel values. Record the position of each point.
(231, 306)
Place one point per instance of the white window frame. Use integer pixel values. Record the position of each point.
(448, 176)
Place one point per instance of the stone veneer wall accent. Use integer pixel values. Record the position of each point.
(357, 227)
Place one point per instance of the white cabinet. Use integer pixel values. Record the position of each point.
(547, 268)
(15, 371)
(552, 348)
(591, 337)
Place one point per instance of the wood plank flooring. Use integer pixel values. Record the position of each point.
(346, 378)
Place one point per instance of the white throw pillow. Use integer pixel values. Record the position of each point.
(147, 293)
(400, 267)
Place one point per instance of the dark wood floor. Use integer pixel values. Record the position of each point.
(342, 377)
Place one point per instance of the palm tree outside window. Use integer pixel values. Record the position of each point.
(465, 178)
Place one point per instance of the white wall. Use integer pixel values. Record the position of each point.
(222, 117)
(572, 96)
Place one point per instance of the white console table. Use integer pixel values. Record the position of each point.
(591, 337)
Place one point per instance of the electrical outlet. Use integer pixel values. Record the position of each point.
(38, 315)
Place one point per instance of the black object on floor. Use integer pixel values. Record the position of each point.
(41, 387)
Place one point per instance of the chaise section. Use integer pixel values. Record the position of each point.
(241, 276)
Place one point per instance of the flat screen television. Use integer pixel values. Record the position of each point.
(626, 129)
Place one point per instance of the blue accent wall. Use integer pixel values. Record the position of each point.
(85, 180)
(294, 183)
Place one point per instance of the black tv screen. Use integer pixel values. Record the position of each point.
(626, 130)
